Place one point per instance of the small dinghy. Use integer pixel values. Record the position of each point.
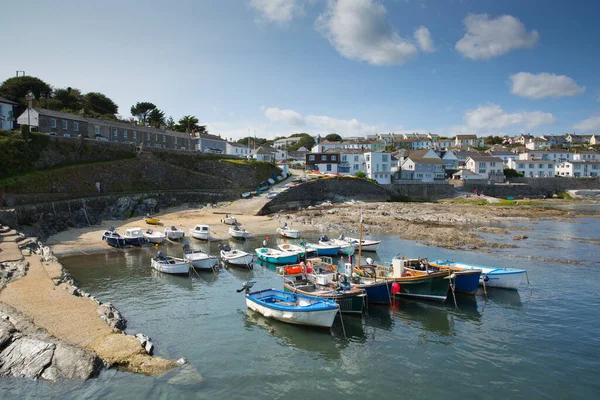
(171, 265)
(113, 238)
(274, 256)
(201, 232)
(155, 237)
(174, 233)
(229, 220)
(134, 236)
(235, 257)
(504, 278)
(288, 232)
(346, 248)
(199, 259)
(151, 220)
(366, 245)
(246, 195)
(238, 233)
(292, 308)
(323, 249)
(301, 251)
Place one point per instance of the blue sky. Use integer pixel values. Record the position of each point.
(353, 67)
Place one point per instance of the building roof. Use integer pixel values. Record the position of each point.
(234, 144)
(464, 137)
(486, 159)
(263, 150)
(59, 114)
(464, 172)
(208, 136)
(345, 151)
(465, 153)
(495, 153)
(534, 161)
(7, 101)
(421, 160)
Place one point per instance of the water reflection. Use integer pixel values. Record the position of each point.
(427, 316)
(503, 297)
(183, 282)
(206, 277)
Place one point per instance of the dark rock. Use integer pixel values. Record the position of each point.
(6, 331)
(71, 362)
(27, 357)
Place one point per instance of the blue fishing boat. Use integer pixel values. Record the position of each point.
(113, 238)
(292, 308)
(276, 256)
(378, 291)
(323, 249)
(504, 278)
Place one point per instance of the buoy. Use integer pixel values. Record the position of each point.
(395, 287)
(486, 278)
(309, 270)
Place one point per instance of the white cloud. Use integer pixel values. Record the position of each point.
(492, 118)
(359, 30)
(487, 38)
(588, 125)
(424, 40)
(290, 117)
(538, 86)
(279, 11)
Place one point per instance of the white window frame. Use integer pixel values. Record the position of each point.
(76, 126)
(97, 129)
(115, 132)
(125, 134)
(53, 123)
(64, 124)
(134, 135)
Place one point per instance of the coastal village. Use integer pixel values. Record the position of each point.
(263, 225)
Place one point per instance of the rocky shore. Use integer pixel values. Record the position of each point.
(50, 329)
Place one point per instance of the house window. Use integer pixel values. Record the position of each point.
(521, 165)
(115, 132)
(344, 157)
(492, 164)
(531, 166)
(540, 166)
(125, 134)
(147, 136)
(384, 167)
(356, 166)
(481, 165)
(76, 126)
(156, 137)
(164, 138)
(53, 123)
(323, 158)
(311, 158)
(482, 171)
(333, 158)
(236, 150)
(134, 135)
(328, 167)
(384, 158)
(97, 129)
(355, 158)
(550, 165)
(368, 158)
(64, 124)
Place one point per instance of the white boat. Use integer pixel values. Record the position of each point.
(174, 233)
(199, 259)
(367, 245)
(170, 265)
(236, 257)
(295, 249)
(346, 248)
(229, 220)
(293, 308)
(134, 236)
(155, 237)
(504, 278)
(201, 232)
(272, 195)
(288, 232)
(238, 233)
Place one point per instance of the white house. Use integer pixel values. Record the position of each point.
(505, 155)
(586, 156)
(553, 155)
(237, 150)
(444, 143)
(578, 169)
(263, 154)
(378, 165)
(468, 141)
(533, 168)
(490, 167)
(8, 114)
(351, 161)
(284, 142)
(537, 143)
(449, 158)
(422, 169)
(463, 156)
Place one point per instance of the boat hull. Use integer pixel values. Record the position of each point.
(502, 279)
(430, 287)
(377, 292)
(173, 269)
(200, 236)
(155, 239)
(466, 281)
(115, 242)
(367, 245)
(152, 221)
(135, 241)
(325, 251)
(318, 318)
(349, 304)
(239, 234)
(174, 235)
(281, 259)
(202, 263)
(243, 260)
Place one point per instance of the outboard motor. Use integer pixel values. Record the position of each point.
(112, 228)
(226, 247)
(342, 237)
(186, 248)
(160, 255)
(173, 228)
(324, 238)
(246, 286)
(369, 261)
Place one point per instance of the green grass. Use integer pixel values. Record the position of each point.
(474, 202)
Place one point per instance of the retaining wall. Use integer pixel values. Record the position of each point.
(422, 191)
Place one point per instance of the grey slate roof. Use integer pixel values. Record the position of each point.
(7, 101)
(59, 114)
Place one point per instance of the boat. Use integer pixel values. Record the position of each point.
(346, 248)
(272, 195)
(366, 245)
(174, 233)
(274, 256)
(292, 308)
(171, 265)
(199, 259)
(300, 250)
(288, 232)
(134, 236)
(463, 281)
(313, 174)
(151, 220)
(155, 237)
(229, 220)
(246, 195)
(113, 238)
(504, 278)
(201, 232)
(323, 249)
(236, 257)
(238, 233)
(325, 286)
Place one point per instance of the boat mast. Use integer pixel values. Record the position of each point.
(360, 239)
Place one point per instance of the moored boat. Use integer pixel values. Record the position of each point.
(288, 232)
(155, 237)
(236, 257)
(171, 265)
(113, 238)
(504, 278)
(238, 233)
(365, 244)
(346, 248)
(274, 256)
(463, 281)
(200, 232)
(134, 236)
(151, 220)
(229, 220)
(292, 308)
(323, 249)
(199, 259)
(293, 248)
(174, 233)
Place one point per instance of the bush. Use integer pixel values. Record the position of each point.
(564, 195)
(360, 174)
(511, 173)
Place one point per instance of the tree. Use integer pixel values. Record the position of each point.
(333, 137)
(170, 124)
(188, 123)
(512, 173)
(98, 103)
(16, 88)
(156, 118)
(68, 99)
(252, 141)
(306, 141)
(141, 110)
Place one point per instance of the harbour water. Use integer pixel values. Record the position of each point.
(538, 344)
